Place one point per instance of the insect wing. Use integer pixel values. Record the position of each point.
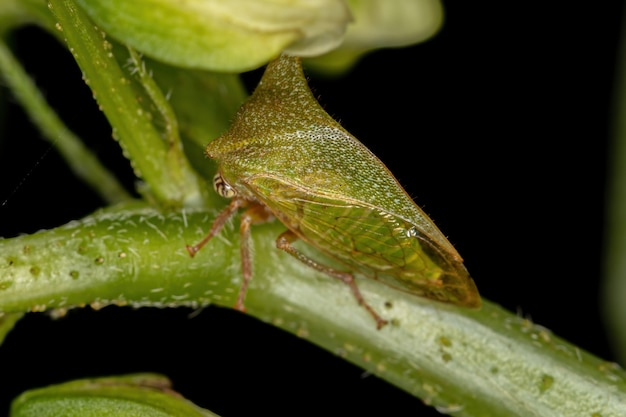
(369, 240)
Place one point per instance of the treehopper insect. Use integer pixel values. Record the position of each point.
(285, 158)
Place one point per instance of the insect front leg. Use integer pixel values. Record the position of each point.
(217, 225)
(254, 215)
(284, 242)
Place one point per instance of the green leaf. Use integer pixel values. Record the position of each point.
(384, 24)
(7, 321)
(123, 396)
(381, 24)
(233, 36)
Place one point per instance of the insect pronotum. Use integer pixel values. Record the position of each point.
(284, 158)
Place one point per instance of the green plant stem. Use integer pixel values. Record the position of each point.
(170, 179)
(79, 158)
(163, 107)
(176, 160)
(464, 362)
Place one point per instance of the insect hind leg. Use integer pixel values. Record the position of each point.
(284, 242)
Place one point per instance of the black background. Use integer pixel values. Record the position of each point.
(498, 126)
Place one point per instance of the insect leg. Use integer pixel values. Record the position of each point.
(219, 222)
(254, 215)
(284, 242)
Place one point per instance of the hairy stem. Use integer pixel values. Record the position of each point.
(464, 362)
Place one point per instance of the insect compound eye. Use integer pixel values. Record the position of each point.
(222, 187)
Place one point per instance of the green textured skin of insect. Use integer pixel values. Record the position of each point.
(285, 152)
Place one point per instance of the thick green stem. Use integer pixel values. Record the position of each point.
(169, 177)
(468, 363)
